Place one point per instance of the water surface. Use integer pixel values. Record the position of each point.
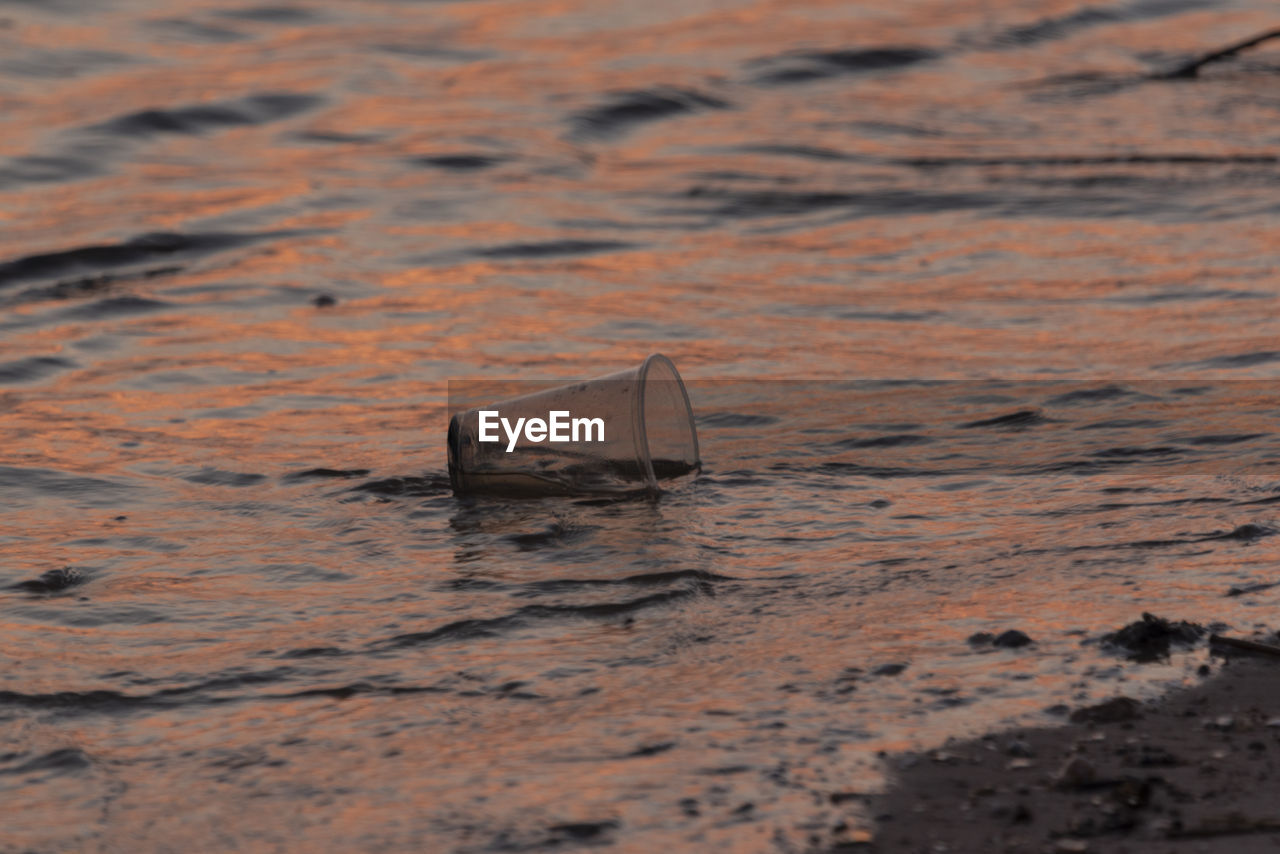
(243, 248)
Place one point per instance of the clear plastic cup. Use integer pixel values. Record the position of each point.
(615, 434)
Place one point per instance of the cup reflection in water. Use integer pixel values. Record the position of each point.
(618, 433)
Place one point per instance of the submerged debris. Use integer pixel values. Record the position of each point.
(1149, 638)
(52, 581)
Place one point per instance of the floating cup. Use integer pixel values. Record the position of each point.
(619, 433)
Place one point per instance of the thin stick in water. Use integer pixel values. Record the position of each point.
(1191, 69)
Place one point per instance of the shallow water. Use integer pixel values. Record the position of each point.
(242, 249)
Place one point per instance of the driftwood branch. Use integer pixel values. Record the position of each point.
(1191, 69)
(1246, 645)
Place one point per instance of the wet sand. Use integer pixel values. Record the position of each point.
(1194, 771)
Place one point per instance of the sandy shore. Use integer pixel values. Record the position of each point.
(1194, 771)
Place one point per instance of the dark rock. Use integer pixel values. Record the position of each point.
(889, 670)
(981, 638)
(1012, 639)
(1076, 773)
(1115, 710)
(324, 301)
(1149, 639)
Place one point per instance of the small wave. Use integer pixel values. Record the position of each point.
(115, 702)
(313, 652)
(1248, 589)
(88, 286)
(856, 470)
(550, 249)
(194, 31)
(202, 118)
(735, 419)
(1090, 395)
(121, 306)
(323, 474)
(890, 316)
(1247, 533)
(1091, 160)
(1190, 295)
(41, 169)
(271, 14)
(894, 441)
(805, 152)
(61, 64)
(1270, 499)
(642, 579)
(65, 761)
(555, 534)
(459, 162)
(219, 477)
(746, 204)
(34, 368)
(1063, 26)
(804, 66)
(624, 110)
(1129, 452)
(1225, 438)
(1237, 360)
(1123, 424)
(429, 485)
(53, 483)
(137, 251)
(478, 628)
(76, 701)
(1010, 421)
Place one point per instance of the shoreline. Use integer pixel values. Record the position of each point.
(1195, 770)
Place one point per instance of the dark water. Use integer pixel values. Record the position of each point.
(244, 248)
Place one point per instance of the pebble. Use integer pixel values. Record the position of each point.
(1075, 773)
(1018, 747)
(1224, 723)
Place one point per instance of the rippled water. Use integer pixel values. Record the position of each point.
(244, 248)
